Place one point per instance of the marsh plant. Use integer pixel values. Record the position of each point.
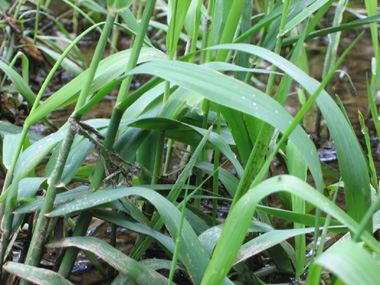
(215, 76)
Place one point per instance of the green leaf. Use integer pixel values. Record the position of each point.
(305, 219)
(179, 9)
(210, 237)
(77, 156)
(235, 94)
(28, 187)
(271, 17)
(60, 199)
(228, 179)
(34, 154)
(225, 66)
(266, 241)
(119, 5)
(136, 271)
(125, 222)
(9, 148)
(353, 166)
(19, 82)
(191, 251)
(238, 220)
(158, 264)
(187, 133)
(36, 275)
(67, 64)
(228, 31)
(6, 128)
(331, 30)
(109, 69)
(130, 19)
(302, 16)
(4, 5)
(348, 261)
(192, 17)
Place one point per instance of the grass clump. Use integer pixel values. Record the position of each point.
(199, 64)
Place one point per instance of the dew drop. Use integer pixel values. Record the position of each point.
(276, 111)
(254, 104)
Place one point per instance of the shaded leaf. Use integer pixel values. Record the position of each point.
(37, 275)
(134, 270)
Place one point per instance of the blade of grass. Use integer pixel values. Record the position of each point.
(38, 237)
(121, 105)
(238, 220)
(350, 262)
(298, 168)
(353, 166)
(35, 275)
(138, 273)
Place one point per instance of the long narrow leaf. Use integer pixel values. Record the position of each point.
(134, 270)
(37, 275)
(353, 167)
(236, 95)
(350, 262)
(239, 218)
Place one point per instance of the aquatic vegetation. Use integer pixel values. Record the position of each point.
(214, 78)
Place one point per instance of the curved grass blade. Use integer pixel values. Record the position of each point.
(137, 272)
(187, 133)
(191, 251)
(37, 275)
(60, 199)
(6, 128)
(228, 179)
(28, 187)
(271, 17)
(210, 237)
(9, 148)
(157, 264)
(19, 82)
(266, 241)
(225, 66)
(350, 262)
(302, 16)
(327, 31)
(123, 221)
(305, 219)
(238, 220)
(109, 69)
(67, 64)
(353, 166)
(176, 16)
(235, 94)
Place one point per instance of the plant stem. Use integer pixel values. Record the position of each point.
(215, 178)
(35, 248)
(38, 237)
(122, 103)
(70, 254)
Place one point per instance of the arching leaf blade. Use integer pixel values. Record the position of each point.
(237, 95)
(352, 165)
